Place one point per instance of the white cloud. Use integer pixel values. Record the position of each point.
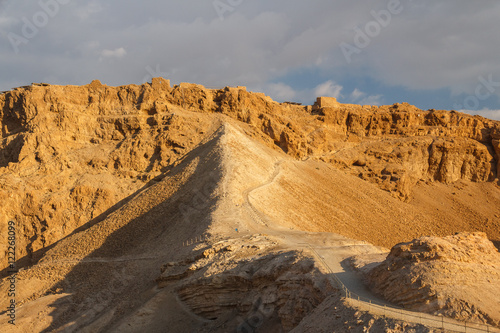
(371, 100)
(116, 53)
(359, 97)
(281, 92)
(328, 88)
(357, 94)
(487, 113)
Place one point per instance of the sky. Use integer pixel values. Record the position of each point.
(433, 54)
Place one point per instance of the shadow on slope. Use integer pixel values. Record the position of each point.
(122, 255)
(34, 257)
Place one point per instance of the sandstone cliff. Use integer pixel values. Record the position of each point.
(109, 187)
(86, 149)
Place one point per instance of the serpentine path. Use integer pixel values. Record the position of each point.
(331, 250)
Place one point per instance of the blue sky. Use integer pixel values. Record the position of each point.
(432, 54)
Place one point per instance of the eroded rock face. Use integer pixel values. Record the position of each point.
(457, 276)
(276, 286)
(398, 146)
(71, 155)
(249, 280)
(85, 149)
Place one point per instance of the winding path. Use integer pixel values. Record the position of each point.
(349, 281)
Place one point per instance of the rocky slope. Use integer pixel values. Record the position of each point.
(140, 270)
(89, 148)
(112, 188)
(457, 276)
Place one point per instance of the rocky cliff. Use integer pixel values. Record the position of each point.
(85, 149)
(112, 187)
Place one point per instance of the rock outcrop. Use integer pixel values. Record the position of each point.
(283, 287)
(457, 276)
(87, 148)
(247, 278)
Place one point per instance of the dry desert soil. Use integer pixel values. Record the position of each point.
(155, 208)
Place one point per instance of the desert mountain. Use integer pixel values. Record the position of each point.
(144, 207)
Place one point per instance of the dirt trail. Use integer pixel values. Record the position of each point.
(332, 249)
